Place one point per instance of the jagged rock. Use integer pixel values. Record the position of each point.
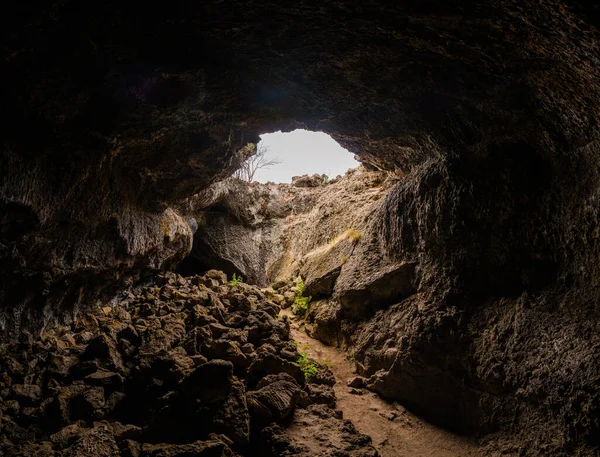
(126, 432)
(73, 403)
(210, 382)
(66, 436)
(130, 448)
(274, 400)
(28, 394)
(227, 350)
(196, 449)
(217, 275)
(308, 181)
(376, 288)
(104, 348)
(233, 416)
(324, 376)
(43, 449)
(104, 378)
(318, 431)
(99, 441)
(357, 382)
(272, 364)
(321, 267)
(320, 394)
(324, 321)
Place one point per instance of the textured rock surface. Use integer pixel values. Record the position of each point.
(183, 367)
(117, 112)
(269, 232)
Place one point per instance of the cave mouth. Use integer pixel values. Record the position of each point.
(245, 207)
(301, 152)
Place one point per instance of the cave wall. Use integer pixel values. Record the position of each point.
(268, 232)
(118, 111)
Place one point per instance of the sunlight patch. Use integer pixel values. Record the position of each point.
(298, 153)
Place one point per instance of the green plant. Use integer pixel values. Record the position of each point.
(344, 259)
(325, 179)
(235, 280)
(309, 367)
(301, 303)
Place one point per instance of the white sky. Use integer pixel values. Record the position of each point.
(302, 152)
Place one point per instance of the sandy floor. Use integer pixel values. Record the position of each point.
(395, 431)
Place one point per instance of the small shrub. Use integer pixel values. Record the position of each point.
(309, 367)
(235, 280)
(353, 235)
(344, 259)
(301, 303)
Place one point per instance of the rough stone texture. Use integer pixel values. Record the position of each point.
(65, 394)
(489, 110)
(317, 430)
(269, 232)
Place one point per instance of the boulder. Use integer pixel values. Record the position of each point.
(274, 401)
(210, 382)
(98, 442)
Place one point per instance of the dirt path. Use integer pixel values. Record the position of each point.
(395, 431)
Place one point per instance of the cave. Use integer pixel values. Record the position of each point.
(457, 267)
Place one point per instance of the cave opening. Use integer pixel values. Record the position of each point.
(301, 152)
(234, 222)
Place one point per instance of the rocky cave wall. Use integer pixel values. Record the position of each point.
(489, 111)
(271, 232)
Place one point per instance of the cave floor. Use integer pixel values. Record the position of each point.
(395, 431)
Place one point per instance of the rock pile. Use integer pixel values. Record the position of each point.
(186, 366)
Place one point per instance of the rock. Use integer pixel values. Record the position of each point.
(274, 401)
(355, 391)
(273, 364)
(99, 442)
(104, 378)
(227, 350)
(322, 432)
(357, 382)
(66, 436)
(126, 432)
(321, 267)
(102, 347)
(380, 287)
(130, 448)
(289, 298)
(308, 181)
(233, 417)
(320, 394)
(324, 376)
(219, 276)
(389, 415)
(280, 300)
(210, 382)
(196, 449)
(323, 321)
(28, 394)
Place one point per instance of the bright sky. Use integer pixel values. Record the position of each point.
(302, 152)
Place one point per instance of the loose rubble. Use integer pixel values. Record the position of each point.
(190, 366)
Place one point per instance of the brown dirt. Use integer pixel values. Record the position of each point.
(395, 431)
